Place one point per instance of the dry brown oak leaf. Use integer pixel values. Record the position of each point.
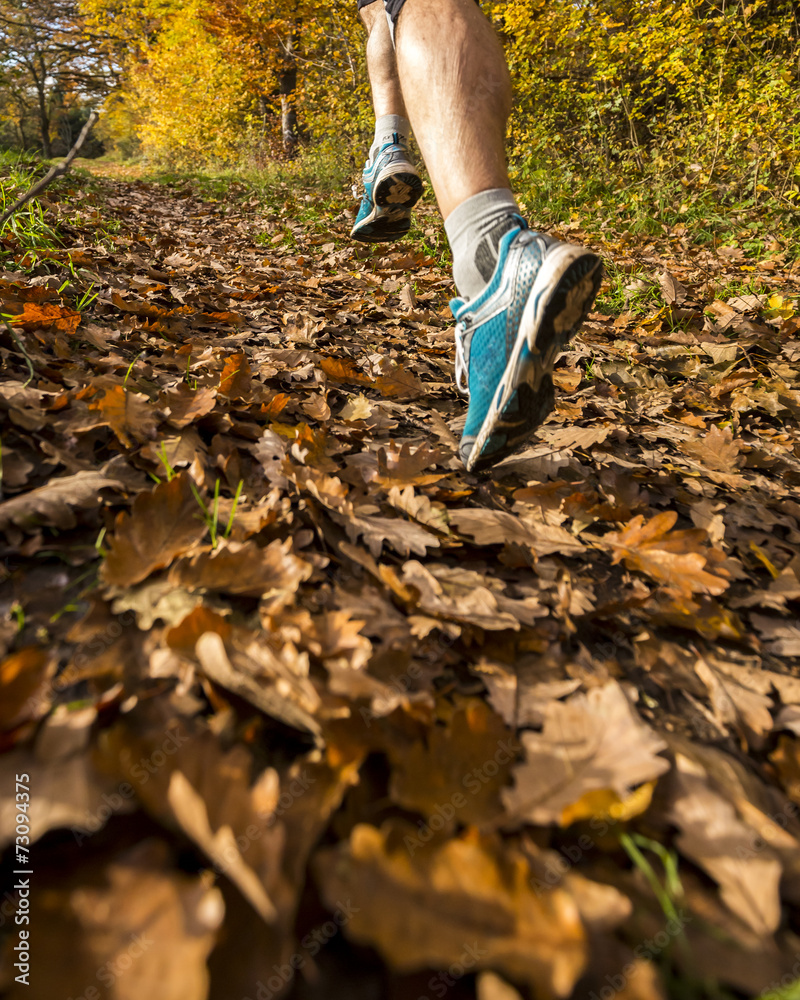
(183, 405)
(130, 415)
(591, 743)
(467, 901)
(715, 838)
(236, 379)
(135, 924)
(458, 771)
(47, 317)
(675, 559)
(52, 503)
(163, 524)
(210, 794)
(245, 568)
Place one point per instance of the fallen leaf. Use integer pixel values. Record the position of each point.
(463, 901)
(236, 379)
(48, 316)
(164, 523)
(356, 408)
(183, 636)
(733, 699)
(185, 405)
(53, 503)
(782, 637)
(130, 415)
(674, 292)
(717, 450)
(400, 383)
(674, 559)
(404, 537)
(592, 742)
(406, 467)
(458, 771)
(457, 596)
(272, 573)
(716, 839)
(495, 527)
(190, 811)
(521, 694)
(420, 508)
(575, 438)
(257, 675)
(342, 370)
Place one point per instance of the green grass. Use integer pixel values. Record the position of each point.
(654, 205)
(628, 291)
(305, 186)
(27, 233)
(33, 239)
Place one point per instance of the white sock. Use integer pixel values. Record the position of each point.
(474, 231)
(388, 126)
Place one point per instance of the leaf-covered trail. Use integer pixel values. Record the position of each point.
(312, 709)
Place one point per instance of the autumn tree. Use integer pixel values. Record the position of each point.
(233, 81)
(264, 38)
(181, 100)
(294, 55)
(48, 63)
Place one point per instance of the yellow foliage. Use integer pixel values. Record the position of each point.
(608, 83)
(188, 100)
(202, 82)
(706, 93)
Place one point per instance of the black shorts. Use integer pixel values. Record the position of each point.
(393, 8)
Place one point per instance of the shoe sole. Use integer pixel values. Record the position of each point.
(400, 189)
(393, 190)
(525, 395)
(385, 230)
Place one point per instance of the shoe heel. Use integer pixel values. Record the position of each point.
(575, 277)
(398, 190)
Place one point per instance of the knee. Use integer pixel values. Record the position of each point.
(372, 15)
(380, 49)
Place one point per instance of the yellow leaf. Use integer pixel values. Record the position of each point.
(778, 306)
(765, 559)
(605, 804)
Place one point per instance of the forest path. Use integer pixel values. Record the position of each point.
(234, 515)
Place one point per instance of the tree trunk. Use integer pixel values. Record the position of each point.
(44, 122)
(287, 85)
(22, 114)
(47, 151)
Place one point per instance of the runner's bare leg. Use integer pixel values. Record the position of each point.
(387, 97)
(457, 91)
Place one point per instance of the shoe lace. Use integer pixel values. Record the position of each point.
(462, 371)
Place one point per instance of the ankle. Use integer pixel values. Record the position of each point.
(386, 127)
(474, 231)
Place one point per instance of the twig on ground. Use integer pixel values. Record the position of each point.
(22, 350)
(57, 171)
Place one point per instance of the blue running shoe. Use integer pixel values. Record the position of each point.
(392, 186)
(508, 339)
